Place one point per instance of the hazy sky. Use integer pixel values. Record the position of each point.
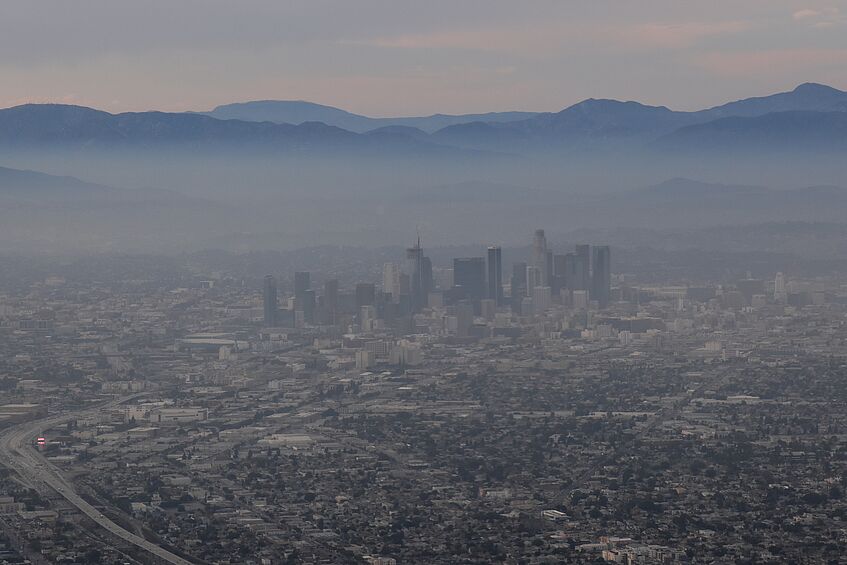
(384, 57)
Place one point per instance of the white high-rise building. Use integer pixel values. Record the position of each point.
(391, 280)
(541, 298)
(580, 300)
(533, 279)
(367, 318)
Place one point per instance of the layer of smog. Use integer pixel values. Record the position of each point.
(426, 283)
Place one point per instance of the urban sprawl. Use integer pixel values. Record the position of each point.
(550, 410)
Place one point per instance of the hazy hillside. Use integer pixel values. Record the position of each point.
(298, 112)
(75, 127)
(808, 97)
(14, 182)
(603, 124)
(805, 117)
(243, 184)
(795, 132)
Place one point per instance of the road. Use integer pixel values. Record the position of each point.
(17, 453)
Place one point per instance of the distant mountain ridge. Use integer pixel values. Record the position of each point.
(795, 131)
(60, 126)
(602, 120)
(26, 186)
(812, 117)
(808, 97)
(595, 116)
(60, 123)
(299, 111)
(20, 182)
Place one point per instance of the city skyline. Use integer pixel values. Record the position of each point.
(392, 282)
(151, 392)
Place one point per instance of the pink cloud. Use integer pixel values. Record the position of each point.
(828, 17)
(805, 14)
(777, 61)
(558, 36)
(496, 39)
(678, 35)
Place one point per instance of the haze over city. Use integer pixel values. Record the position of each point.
(423, 282)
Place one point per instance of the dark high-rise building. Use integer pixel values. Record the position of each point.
(302, 282)
(557, 282)
(304, 298)
(307, 303)
(750, 287)
(420, 276)
(270, 301)
(559, 265)
(540, 255)
(469, 277)
(331, 299)
(576, 273)
(583, 253)
(601, 275)
(428, 283)
(495, 275)
(405, 285)
(365, 294)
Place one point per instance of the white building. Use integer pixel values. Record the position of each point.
(542, 298)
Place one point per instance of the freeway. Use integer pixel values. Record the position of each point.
(16, 453)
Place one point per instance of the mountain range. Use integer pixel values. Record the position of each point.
(813, 110)
(810, 117)
(299, 111)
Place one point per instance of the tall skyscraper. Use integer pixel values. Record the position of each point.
(469, 276)
(365, 294)
(559, 265)
(307, 303)
(420, 276)
(426, 277)
(583, 254)
(575, 272)
(270, 301)
(601, 275)
(558, 276)
(540, 255)
(331, 299)
(534, 278)
(304, 301)
(302, 282)
(495, 275)
(391, 281)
